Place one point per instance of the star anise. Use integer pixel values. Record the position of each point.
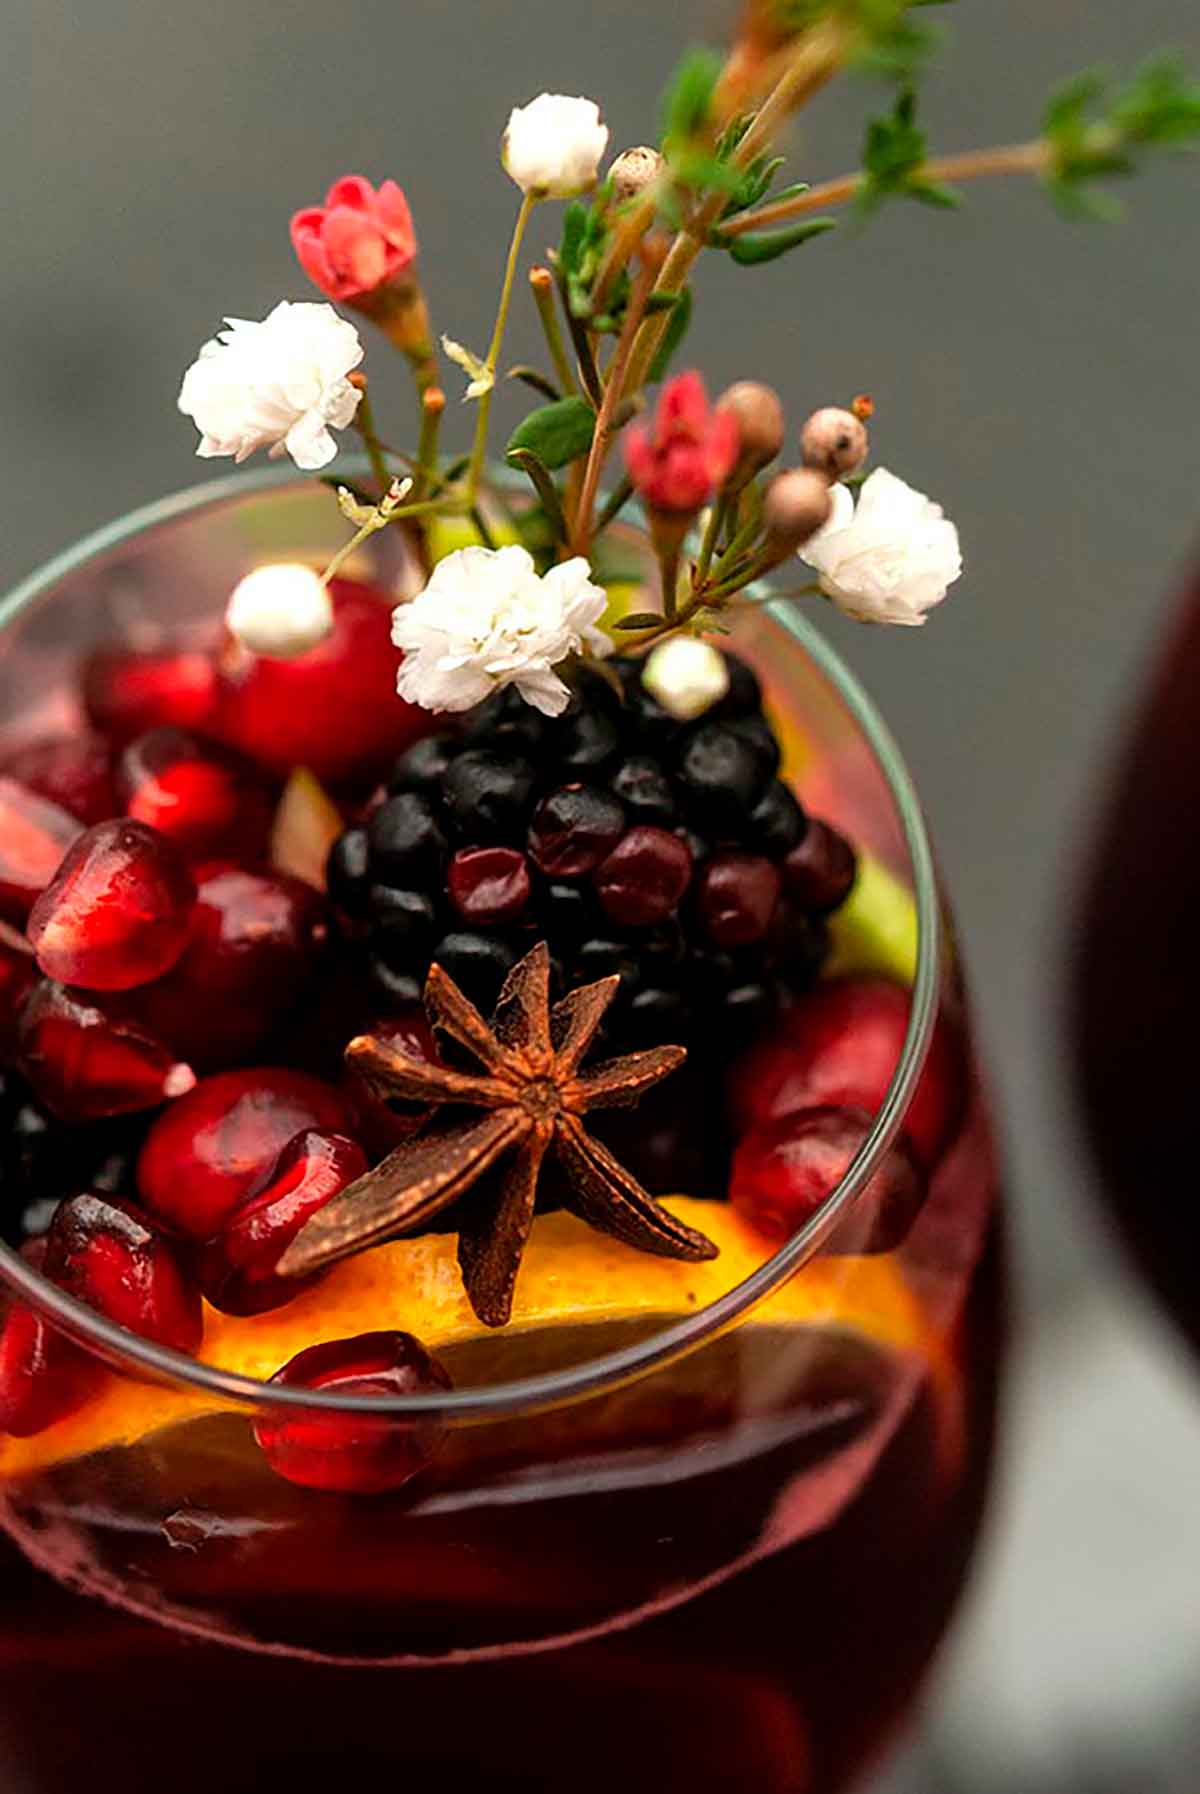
(532, 1094)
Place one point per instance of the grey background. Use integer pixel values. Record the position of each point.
(1038, 378)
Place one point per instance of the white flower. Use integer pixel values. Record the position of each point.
(553, 146)
(277, 384)
(686, 676)
(281, 609)
(891, 559)
(486, 619)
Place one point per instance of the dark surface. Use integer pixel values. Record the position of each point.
(1037, 378)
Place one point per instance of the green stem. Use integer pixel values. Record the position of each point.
(364, 423)
(479, 446)
(541, 283)
(433, 403)
(369, 528)
(716, 524)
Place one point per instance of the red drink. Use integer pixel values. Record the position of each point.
(678, 1522)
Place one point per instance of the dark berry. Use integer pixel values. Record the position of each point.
(600, 956)
(505, 721)
(403, 920)
(644, 877)
(744, 696)
(757, 733)
(347, 871)
(645, 790)
(820, 870)
(642, 716)
(566, 912)
(587, 740)
(397, 986)
(722, 777)
(488, 884)
(478, 964)
(407, 846)
(423, 767)
(736, 894)
(487, 796)
(746, 1008)
(777, 822)
(573, 830)
(658, 1013)
(797, 944)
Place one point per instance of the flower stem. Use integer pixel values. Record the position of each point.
(369, 528)
(651, 263)
(433, 403)
(364, 423)
(716, 522)
(1014, 158)
(479, 446)
(541, 285)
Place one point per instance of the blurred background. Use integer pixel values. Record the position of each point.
(1038, 378)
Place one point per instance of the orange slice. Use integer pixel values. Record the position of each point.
(569, 1275)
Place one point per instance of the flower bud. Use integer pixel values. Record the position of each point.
(834, 442)
(678, 459)
(281, 609)
(633, 171)
(686, 675)
(758, 414)
(795, 506)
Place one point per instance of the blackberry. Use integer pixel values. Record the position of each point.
(41, 1161)
(665, 852)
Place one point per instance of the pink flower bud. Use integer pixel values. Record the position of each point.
(359, 240)
(679, 461)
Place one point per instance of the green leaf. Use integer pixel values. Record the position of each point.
(689, 96)
(674, 334)
(574, 233)
(1093, 137)
(640, 619)
(556, 433)
(894, 157)
(543, 484)
(751, 250)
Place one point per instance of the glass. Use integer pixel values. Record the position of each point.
(1135, 981)
(715, 1550)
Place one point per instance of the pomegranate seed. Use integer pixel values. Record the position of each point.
(85, 1063)
(73, 771)
(489, 884)
(102, 1251)
(334, 709)
(117, 912)
(207, 799)
(127, 691)
(736, 895)
(18, 974)
(574, 829)
(34, 836)
(785, 1171)
(255, 941)
(237, 1266)
(382, 1125)
(838, 1048)
(208, 1149)
(44, 1376)
(356, 1454)
(644, 877)
(820, 871)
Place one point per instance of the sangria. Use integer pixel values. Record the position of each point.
(376, 1398)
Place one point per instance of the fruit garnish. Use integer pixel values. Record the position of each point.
(128, 690)
(306, 825)
(117, 911)
(571, 1276)
(104, 1252)
(207, 1150)
(85, 1062)
(532, 1094)
(34, 836)
(73, 771)
(205, 798)
(354, 1454)
(819, 871)
(44, 1377)
(786, 1170)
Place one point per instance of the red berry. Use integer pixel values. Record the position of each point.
(237, 1266)
(489, 884)
(644, 877)
(839, 1047)
(785, 1171)
(254, 944)
(117, 912)
(44, 1376)
(380, 1125)
(85, 1062)
(820, 870)
(34, 836)
(105, 1253)
(333, 709)
(205, 797)
(356, 1454)
(127, 691)
(73, 771)
(736, 895)
(208, 1149)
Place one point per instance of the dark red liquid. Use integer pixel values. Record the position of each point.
(1136, 982)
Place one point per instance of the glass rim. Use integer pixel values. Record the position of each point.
(628, 1363)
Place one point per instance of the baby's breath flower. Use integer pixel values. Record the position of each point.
(552, 147)
(281, 609)
(888, 560)
(487, 619)
(279, 384)
(686, 675)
